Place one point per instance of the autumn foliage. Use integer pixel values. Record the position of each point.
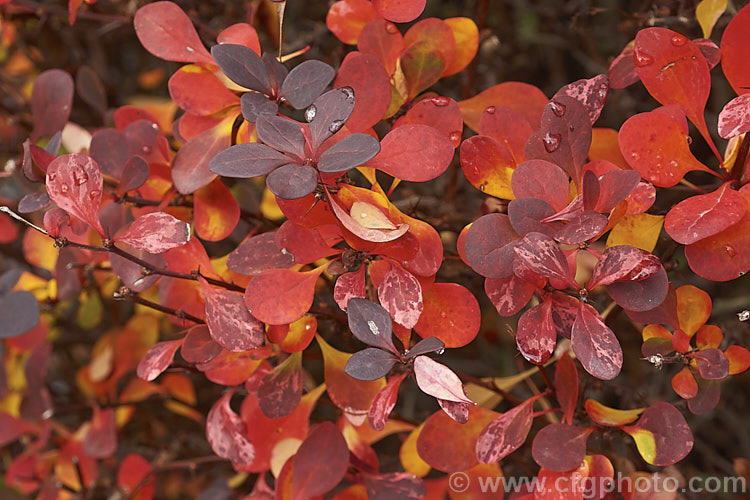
(248, 260)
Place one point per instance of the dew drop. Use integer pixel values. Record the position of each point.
(571, 127)
(308, 326)
(189, 48)
(284, 251)
(80, 177)
(146, 149)
(94, 194)
(658, 156)
(673, 164)
(391, 28)
(66, 107)
(557, 108)
(155, 126)
(363, 215)
(731, 251)
(310, 113)
(490, 110)
(443, 314)
(678, 40)
(602, 93)
(64, 188)
(348, 92)
(642, 58)
(551, 142)
(635, 155)
(335, 126)
(482, 187)
(455, 136)
(440, 351)
(441, 101)
(689, 140)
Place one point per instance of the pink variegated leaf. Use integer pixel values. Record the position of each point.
(157, 359)
(230, 323)
(401, 485)
(536, 335)
(542, 255)
(734, 119)
(226, 433)
(590, 92)
(505, 434)
(348, 286)
(383, 402)
(711, 363)
(560, 447)
(624, 263)
(74, 183)
(439, 381)
(457, 411)
(155, 233)
(280, 390)
(595, 345)
(704, 215)
(401, 295)
(508, 295)
(583, 226)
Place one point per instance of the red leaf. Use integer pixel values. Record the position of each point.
(734, 118)
(346, 19)
(656, 145)
(366, 76)
(226, 433)
(733, 54)
(168, 33)
(384, 401)
(281, 296)
(216, 211)
(441, 113)
(399, 11)
(197, 90)
(595, 345)
(240, 34)
(684, 384)
(508, 127)
(623, 263)
(371, 324)
(439, 381)
(190, 170)
(451, 313)
(739, 359)
(320, 463)
(229, 321)
(74, 183)
(133, 473)
(566, 386)
(437, 37)
(674, 71)
(536, 336)
(259, 253)
(198, 346)
(508, 295)
(415, 153)
(488, 165)
(381, 39)
(522, 97)
(723, 256)
(401, 295)
(705, 215)
(622, 71)
(560, 447)
(100, 440)
(156, 233)
(711, 363)
(662, 435)
(505, 434)
(709, 394)
(281, 389)
(157, 359)
(51, 102)
(11, 428)
(543, 180)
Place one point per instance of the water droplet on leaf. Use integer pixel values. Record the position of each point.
(674, 163)
(490, 110)
(689, 140)
(642, 58)
(441, 101)
(146, 149)
(80, 177)
(678, 40)
(94, 194)
(455, 136)
(189, 49)
(348, 92)
(440, 351)
(335, 126)
(731, 251)
(64, 188)
(551, 142)
(482, 187)
(557, 108)
(310, 113)
(391, 28)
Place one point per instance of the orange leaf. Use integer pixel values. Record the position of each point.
(216, 211)
(693, 308)
(281, 296)
(451, 313)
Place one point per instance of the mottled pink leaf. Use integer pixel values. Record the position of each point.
(225, 431)
(595, 345)
(393, 485)
(543, 256)
(505, 434)
(259, 253)
(156, 232)
(536, 336)
(560, 447)
(455, 410)
(230, 323)
(51, 102)
(734, 119)
(401, 295)
(508, 295)
(280, 390)
(591, 93)
(349, 286)
(711, 363)
(623, 263)
(74, 183)
(384, 401)
(439, 381)
(157, 359)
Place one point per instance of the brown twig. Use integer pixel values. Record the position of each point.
(127, 294)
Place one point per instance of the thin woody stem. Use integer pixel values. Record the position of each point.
(127, 294)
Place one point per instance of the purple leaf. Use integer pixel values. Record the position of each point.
(132, 274)
(111, 151)
(543, 180)
(425, 346)
(247, 160)
(134, 174)
(292, 181)
(281, 388)
(33, 202)
(370, 323)
(641, 295)
(489, 246)
(257, 254)
(370, 364)
(560, 447)
(198, 346)
(243, 66)
(328, 114)
(51, 102)
(305, 82)
(281, 134)
(711, 363)
(277, 72)
(542, 255)
(399, 485)
(255, 104)
(351, 151)
(19, 313)
(230, 323)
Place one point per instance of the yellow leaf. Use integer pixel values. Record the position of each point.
(639, 230)
(268, 206)
(708, 12)
(410, 459)
(369, 216)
